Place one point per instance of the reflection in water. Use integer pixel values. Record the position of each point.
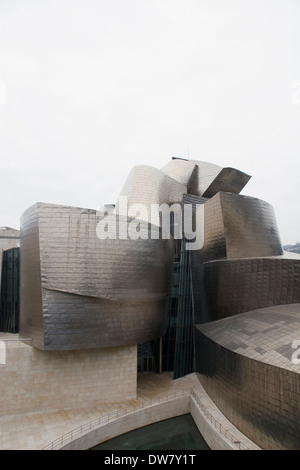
(180, 433)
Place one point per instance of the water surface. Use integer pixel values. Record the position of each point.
(180, 433)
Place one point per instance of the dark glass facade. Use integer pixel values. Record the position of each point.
(10, 300)
(175, 350)
(184, 341)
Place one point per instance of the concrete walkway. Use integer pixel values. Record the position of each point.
(34, 431)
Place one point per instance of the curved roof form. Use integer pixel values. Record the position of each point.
(206, 179)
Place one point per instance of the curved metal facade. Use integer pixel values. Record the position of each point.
(206, 179)
(147, 185)
(79, 291)
(235, 286)
(238, 226)
(246, 369)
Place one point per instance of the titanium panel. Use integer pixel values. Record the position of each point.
(180, 170)
(251, 227)
(147, 185)
(80, 322)
(75, 260)
(228, 180)
(230, 287)
(238, 227)
(31, 308)
(245, 366)
(265, 334)
(235, 227)
(209, 179)
(75, 285)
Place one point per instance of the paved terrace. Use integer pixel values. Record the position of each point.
(35, 431)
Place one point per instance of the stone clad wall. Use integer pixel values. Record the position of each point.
(33, 380)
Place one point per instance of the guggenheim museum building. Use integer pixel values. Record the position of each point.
(181, 275)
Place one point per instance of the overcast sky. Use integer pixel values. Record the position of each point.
(90, 88)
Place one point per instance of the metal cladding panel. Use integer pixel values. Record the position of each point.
(230, 287)
(190, 204)
(235, 227)
(87, 282)
(214, 245)
(208, 180)
(213, 179)
(180, 170)
(265, 334)
(31, 310)
(250, 227)
(228, 180)
(80, 322)
(147, 185)
(75, 260)
(238, 227)
(207, 173)
(214, 231)
(246, 368)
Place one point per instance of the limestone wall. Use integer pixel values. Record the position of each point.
(33, 380)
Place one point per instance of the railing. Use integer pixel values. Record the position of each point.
(110, 417)
(221, 429)
(115, 415)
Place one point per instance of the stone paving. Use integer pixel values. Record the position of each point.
(34, 431)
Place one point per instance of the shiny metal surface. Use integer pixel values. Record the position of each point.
(235, 227)
(238, 226)
(179, 170)
(31, 306)
(147, 185)
(246, 293)
(208, 180)
(230, 287)
(246, 368)
(79, 291)
(278, 326)
(228, 179)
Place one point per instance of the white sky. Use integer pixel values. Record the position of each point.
(94, 87)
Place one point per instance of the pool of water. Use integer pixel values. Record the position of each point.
(180, 433)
